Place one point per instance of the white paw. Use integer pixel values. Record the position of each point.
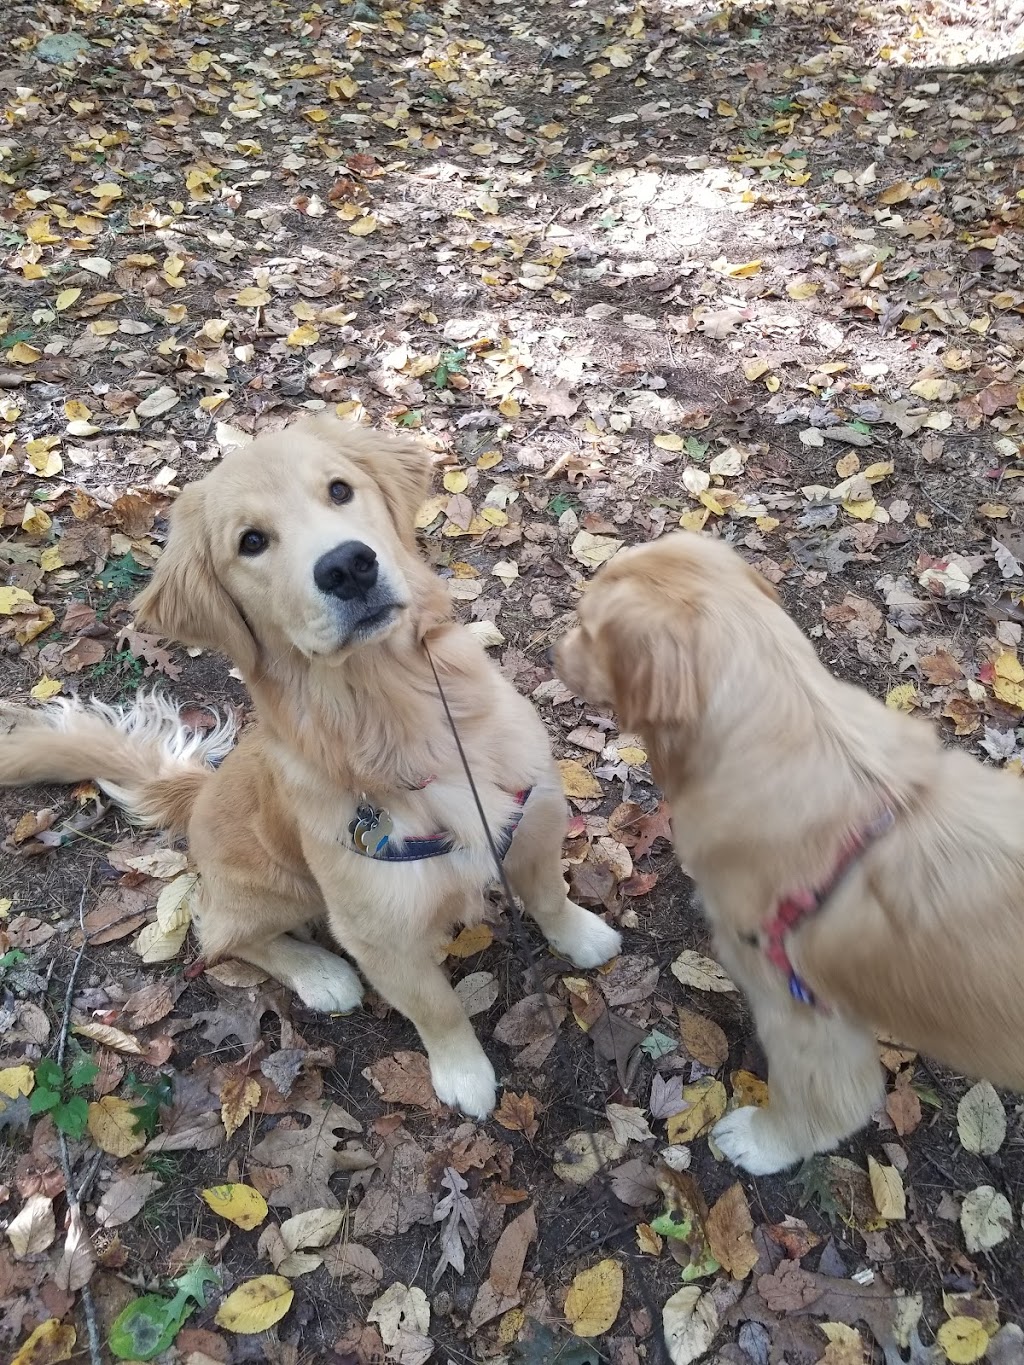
(584, 939)
(331, 986)
(464, 1079)
(747, 1139)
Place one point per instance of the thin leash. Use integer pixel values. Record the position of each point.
(537, 985)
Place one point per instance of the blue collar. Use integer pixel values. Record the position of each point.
(370, 836)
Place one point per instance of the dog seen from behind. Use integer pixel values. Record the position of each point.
(347, 800)
(860, 879)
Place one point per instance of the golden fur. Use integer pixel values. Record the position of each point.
(347, 711)
(768, 763)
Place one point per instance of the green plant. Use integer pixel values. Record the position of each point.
(57, 1092)
(148, 1325)
(451, 363)
(152, 1096)
(120, 575)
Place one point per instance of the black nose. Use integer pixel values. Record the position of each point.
(347, 571)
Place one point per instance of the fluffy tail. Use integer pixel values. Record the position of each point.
(142, 755)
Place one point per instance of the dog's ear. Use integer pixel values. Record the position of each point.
(652, 668)
(184, 599)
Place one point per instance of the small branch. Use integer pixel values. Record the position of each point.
(74, 1200)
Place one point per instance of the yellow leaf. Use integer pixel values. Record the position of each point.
(10, 598)
(16, 1080)
(577, 781)
(863, 510)
(471, 940)
(66, 298)
(77, 411)
(695, 520)
(50, 559)
(594, 1299)
(1008, 679)
(705, 1100)
(902, 697)
(455, 481)
(430, 511)
(669, 441)
(239, 1204)
(314, 116)
(848, 464)
(252, 297)
(887, 1190)
(237, 1101)
(896, 194)
(489, 459)
(50, 1342)
(963, 1340)
(745, 270)
(362, 227)
(748, 1089)
(45, 688)
(725, 109)
(754, 369)
(42, 620)
(24, 354)
(648, 1241)
(875, 473)
(846, 1345)
(256, 1305)
(802, 289)
(35, 521)
(113, 1125)
(509, 407)
(345, 86)
(108, 190)
(303, 335)
(633, 756)
(44, 459)
(993, 510)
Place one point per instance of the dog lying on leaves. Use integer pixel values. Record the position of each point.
(347, 800)
(858, 876)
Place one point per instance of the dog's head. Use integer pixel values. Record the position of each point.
(644, 643)
(302, 539)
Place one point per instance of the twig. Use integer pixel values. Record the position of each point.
(74, 1200)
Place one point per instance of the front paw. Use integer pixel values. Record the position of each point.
(749, 1138)
(465, 1080)
(331, 986)
(585, 939)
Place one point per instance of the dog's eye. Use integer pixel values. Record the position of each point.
(252, 543)
(339, 491)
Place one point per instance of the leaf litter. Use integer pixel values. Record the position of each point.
(747, 270)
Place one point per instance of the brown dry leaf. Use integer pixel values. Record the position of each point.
(729, 1227)
(313, 1154)
(33, 1229)
(125, 1198)
(518, 1113)
(500, 1291)
(356, 1264)
(788, 1288)
(903, 1105)
(703, 1039)
(403, 1078)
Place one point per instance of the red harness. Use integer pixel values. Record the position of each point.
(800, 905)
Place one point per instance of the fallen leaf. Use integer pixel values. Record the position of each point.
(706, 1101)
(475, 938)
(981, 1120)
(887, 1189)
(985, 1218)
(593, 551)
(114, 1126)
(702, 973)
(256, 1305)
(703, 1039)
(125, 1198)
(729, 1227)
(627, 1123)
(500, 1291)
(963, 1340)
(52, 1341)
(577, 781)
(399, 1309)
(690, 1322)
(239, 1204)
(34, 1227)
(579, 1158)
(594, 1298)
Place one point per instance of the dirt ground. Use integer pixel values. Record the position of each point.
(755, 270)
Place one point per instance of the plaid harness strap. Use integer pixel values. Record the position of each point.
(791, 912)
(371, 836)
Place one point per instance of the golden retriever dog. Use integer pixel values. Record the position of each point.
(860, 878)
(346, 800)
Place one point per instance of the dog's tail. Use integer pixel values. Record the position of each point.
(143, 756)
